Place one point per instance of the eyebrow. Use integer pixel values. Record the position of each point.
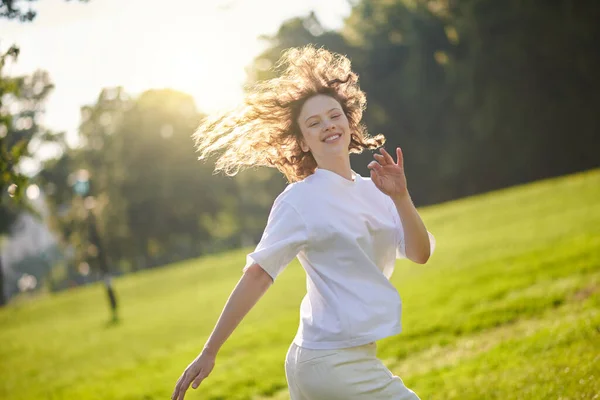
(312, 116)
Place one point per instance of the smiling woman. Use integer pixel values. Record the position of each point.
(265, 130)
(345, 230)
(326, 131)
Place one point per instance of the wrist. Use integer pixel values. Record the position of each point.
(400, 197)
(210, 351)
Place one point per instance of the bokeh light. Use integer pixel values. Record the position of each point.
(12, 190)
(27, 282)
(33, 192)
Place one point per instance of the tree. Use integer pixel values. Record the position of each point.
(8, 153)
(15, 139)
(22, 101)
(154, 202)
(7, 176)
(294, 32)
(480, 94)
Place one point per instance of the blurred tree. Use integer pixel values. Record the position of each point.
(409, 96)
(391, 46)
(167, 190)
(529, 89)
(101, 154)
(479, 94)
(7, 176)
(78, 185)
(294, 32)
(21, 105)
(155, 203)
(8, 154)
(12, 150)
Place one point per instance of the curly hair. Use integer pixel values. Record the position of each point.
(264, 130)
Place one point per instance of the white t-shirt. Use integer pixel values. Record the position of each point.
(347, 235)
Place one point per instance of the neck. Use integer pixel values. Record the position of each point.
(340, 165)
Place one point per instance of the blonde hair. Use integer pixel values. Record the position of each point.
(264, 131)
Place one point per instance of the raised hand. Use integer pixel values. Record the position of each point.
(388, 175)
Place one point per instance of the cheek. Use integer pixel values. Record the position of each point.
(311, 136)
(346, 123)
(343, 123)
(309, 139)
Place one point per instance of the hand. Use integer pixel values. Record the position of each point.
(194, 374)
(388, 175)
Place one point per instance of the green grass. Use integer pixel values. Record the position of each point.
(507, 308)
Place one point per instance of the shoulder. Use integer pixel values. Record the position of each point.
(295, 193)
(287, 207)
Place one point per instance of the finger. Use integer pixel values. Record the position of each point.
(399, 156)
(375, 177)
(380, 159)
(374, 165)
(198, 380)
(183, 388)
(387, 156)
(177, 386)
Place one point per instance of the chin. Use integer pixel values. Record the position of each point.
(338, 151)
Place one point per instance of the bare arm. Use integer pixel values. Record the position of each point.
(250, 288)
(416, 237)
(389, 177)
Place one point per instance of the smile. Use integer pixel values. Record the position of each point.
(332, 138)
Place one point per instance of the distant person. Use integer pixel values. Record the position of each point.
(345, 229)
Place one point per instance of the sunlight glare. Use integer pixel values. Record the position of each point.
(33, 192)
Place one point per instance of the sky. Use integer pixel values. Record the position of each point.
(190, 45)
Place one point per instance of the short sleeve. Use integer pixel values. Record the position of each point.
(400, 243)
(283, 238)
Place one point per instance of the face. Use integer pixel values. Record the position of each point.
(324, 126)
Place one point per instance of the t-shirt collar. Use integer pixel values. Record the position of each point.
(334, 177)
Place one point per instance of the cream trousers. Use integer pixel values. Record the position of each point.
(343, 374)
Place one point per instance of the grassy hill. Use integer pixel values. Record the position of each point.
(507, 308)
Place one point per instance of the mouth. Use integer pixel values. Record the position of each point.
(332, 138)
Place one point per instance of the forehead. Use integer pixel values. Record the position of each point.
(319, 104)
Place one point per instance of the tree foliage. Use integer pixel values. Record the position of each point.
(19, 126)
(479, 94)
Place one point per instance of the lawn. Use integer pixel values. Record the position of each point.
(507, 308)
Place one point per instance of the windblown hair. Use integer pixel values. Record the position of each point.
(264, 131)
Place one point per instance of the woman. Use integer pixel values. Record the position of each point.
(346, 230)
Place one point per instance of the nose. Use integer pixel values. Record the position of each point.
(329, 125)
